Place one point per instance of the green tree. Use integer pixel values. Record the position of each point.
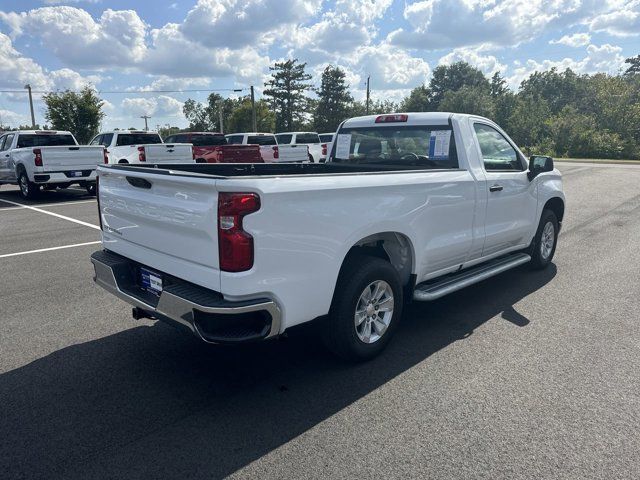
(419, 100)
(197, 115)
(498, 86)
(451, 78)
(240, 119)
(474, 100)
(634, 65)
(333, 100)
(80, 113)
(558, 89)
(287, 90)
(527, 124)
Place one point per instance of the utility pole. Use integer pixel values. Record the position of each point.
(33, 117)
(146, 125)
(367, 104)
(254, 122)
(220, 115)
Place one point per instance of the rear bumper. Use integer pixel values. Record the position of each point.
(203, 312)
(64, 177)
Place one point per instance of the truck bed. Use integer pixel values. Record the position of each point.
(222, 170)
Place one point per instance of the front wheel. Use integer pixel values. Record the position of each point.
(366, 309)
(28, 190)
(544, 243)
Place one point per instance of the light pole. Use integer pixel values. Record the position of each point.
(146, 125)
(33, 117)
(254, 123)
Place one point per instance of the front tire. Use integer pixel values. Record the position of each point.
(28, 190)
(545, 241)
(366, 309)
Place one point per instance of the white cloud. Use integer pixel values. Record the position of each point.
(161, 106)
(117, 38)
(605, 58)
(363, 11)
(622, 20)
(390, 67)
(239, 23)
(488, 64)
(11, 119)
(575, 40)
(437, 24)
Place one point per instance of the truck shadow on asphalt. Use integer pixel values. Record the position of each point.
(149, 402)
(45, 197)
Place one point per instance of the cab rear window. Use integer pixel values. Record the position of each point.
(44, 140)
(419, 147)
(261, 140)
(138, 139)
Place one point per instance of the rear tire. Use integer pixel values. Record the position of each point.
(91, 188)
(366, 309)
(28, 190)
(311, 158)
(543, 246)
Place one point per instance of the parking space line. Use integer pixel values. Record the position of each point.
(48, 205)
(48, 249)
(63, 217)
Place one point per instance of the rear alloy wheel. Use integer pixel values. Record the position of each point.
(366, 308)
(28, 189)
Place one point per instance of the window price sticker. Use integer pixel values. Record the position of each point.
(439, 144)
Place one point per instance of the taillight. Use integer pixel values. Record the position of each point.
(235, 246)
(392, 118)
(142, 157)
(276, 152)
(324, 149)
(98, 200)
(105, 154)
(37, 157)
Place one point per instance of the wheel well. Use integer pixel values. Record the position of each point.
(123, 160)
(556, 205)
(393, 247)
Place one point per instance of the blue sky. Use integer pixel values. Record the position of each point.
(225, 44)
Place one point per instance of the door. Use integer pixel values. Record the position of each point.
(6, 168)
(511, 197)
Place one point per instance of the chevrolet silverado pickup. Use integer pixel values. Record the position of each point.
(49, 159)
(317, 149)
(408, 206)
(213, 148)
(270, 151)
(137, 146)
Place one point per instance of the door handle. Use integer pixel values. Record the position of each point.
(496, 188)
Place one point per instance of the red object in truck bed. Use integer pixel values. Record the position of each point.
(213, 148)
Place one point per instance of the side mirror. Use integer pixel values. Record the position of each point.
(539, 164)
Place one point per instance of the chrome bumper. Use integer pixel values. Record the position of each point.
(181, 303)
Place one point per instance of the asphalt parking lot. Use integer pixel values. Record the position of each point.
(527, 375)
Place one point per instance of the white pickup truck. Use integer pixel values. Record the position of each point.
(408, 207)
(49, 159)
(269, 149)
(317, 149)
(139, 146)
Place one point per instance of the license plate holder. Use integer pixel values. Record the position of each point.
(151, 281)
(75, 174)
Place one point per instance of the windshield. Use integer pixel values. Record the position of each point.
(138, 139)
(44, 140)
(419, 146)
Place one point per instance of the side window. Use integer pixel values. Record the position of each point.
(497, 152)
(8, 140)
(97, 140)
(106, 139)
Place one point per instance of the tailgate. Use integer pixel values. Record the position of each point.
(169, 153)
(241, 154)
(293, 153)
(71, 158)
(167, 222)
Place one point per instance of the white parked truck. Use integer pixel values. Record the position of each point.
(139, 146)
(409, 206)
(317, 150)
(49, 159)
(269, 149)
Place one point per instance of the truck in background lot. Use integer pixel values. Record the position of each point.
(138, 146)
(269, 149)
(317, 150)
(50, 159)
(211, 147)
(408, 206)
